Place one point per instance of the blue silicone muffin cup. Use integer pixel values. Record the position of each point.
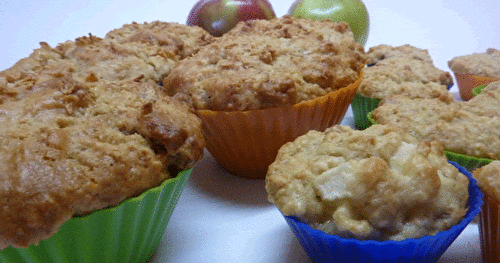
(322, 247)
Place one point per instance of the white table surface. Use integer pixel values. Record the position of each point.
(220, 217)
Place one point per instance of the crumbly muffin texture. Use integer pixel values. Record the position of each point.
(384, 81)
(167, 40)
(393, 70)
(269, 63)
(141, 52)
(376, 184)
(481, 64)
(488, 179)
(383, 52)
(85, 125)
(465, 127)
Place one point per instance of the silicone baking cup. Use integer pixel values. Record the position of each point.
(361, 106)
(468, 162)
(467, 82)
(322, 247)
(129, 232)
(489, 229)
(477, 90)
(245, 143)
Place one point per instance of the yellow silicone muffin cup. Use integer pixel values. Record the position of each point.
(245, 143)
(467, 82)
(129, 232)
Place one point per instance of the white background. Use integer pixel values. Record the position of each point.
(220, 217)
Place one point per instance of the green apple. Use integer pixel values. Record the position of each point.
(353, 12)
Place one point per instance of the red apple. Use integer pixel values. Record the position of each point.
(220, 16)
(353, 12)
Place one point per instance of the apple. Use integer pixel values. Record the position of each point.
(219, 16)
(351, 11)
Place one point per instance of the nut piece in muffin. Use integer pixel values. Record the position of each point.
(376, 184)
(269, 63)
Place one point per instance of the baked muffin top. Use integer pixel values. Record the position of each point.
(162, 39)
(376, 184)
(465, 127)
(382, 81)
(141, 52)
(383, 52)
(75, 139)
(482, 64)
(269, 63)
(392, 66)
(488, 178)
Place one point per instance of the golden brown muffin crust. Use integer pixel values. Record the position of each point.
(466, 127)
(269, 63)
(482, 64)
(383, 52)
(402, 70)
(488, 178)
(83, 129)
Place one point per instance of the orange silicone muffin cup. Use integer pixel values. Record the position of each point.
(467, 82)
(245, 143)
(489, 229)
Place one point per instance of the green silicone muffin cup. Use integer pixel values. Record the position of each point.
(129, 232)
(477, 90)
(361, 106)
(468, 162)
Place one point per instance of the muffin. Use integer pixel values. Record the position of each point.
(138, 52)
(353, 195)
(488, 178)
(93, 154)
(384, 52)
(468, 129)
(474, 70)
(266, 82)
(402, 70)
